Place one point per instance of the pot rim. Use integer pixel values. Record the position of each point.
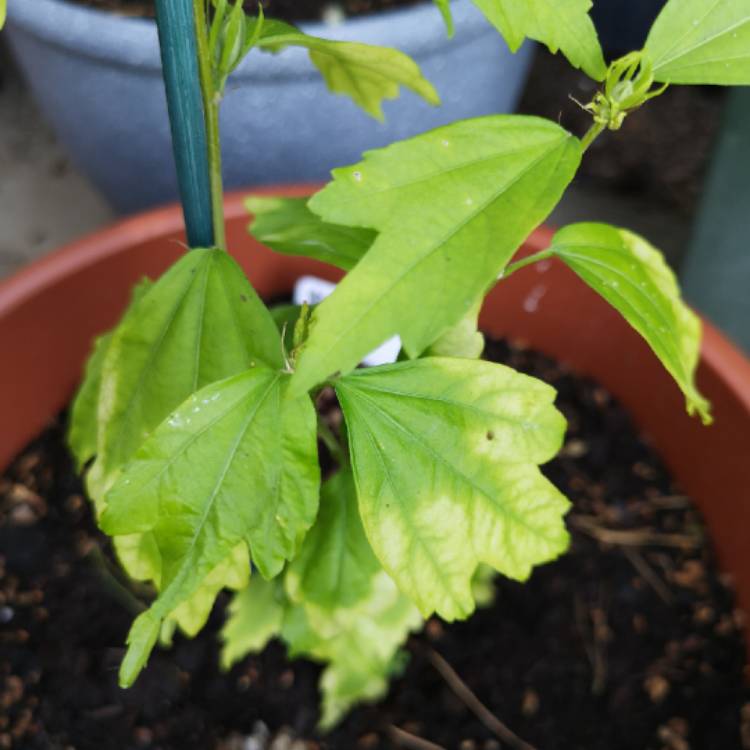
(718, 353)
(130, 42)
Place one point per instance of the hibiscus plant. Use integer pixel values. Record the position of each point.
(199, 422)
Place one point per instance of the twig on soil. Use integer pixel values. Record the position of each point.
(467, 696)
(639, 562)
(632, 537)
(670, 502)
(402, 738)
(594, 631)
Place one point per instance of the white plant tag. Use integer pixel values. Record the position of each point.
(313, 290)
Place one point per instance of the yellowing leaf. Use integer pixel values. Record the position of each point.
(84, 425)
(364, 72)
(359, 645)
(255, 616)
(236, 463)
(633, 277)
(199, 323)
(337, 606)
(445, 455)
(83, 433)
(451, 207)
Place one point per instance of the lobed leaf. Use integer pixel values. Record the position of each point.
(200, 322)
(237, 462)
(337, 606)
(701, 41)
(633, 277)
(563, 25)
(445, 455)
(359, 645)
(366, 73)
(451, 207)
(287, 226)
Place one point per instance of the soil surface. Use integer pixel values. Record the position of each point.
(629, 642)
(285, 10)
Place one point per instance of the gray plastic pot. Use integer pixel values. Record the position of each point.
(96, 77)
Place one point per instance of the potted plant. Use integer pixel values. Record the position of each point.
(199, 408)
(112, 118)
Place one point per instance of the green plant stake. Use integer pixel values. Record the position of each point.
(179, 56)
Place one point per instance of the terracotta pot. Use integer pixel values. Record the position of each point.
(50, 311)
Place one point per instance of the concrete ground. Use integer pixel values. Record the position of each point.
(45, 202)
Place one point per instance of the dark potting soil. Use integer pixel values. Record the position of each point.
(629, 642)
(285, 10)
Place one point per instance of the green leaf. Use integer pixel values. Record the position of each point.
(255, 616)
(445, 11)
(199, 323)
(335, 566)
(366, 73)
(463, 339)
(84, 424)
(237, 462)
(287, 226)
(445, 455)
(140, 557)
(633, 277)
(563, 25)
(701, 41)
(3, 12)
(451, 206)
(359, 645)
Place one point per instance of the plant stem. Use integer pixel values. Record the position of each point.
(535, 258)
(112, 586)
(211, 115)
(331, 442)
(592, 134)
